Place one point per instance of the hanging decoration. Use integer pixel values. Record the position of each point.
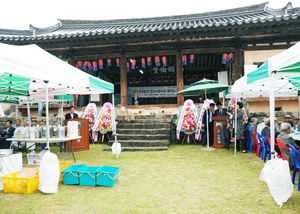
(174, 78)
(95, 67)
(140, 81)
(127, 66)
(224, 59)
(109, 62)
(206, 104)
(100, 63)
(133, 63)
(149, 61)
(118, 62)
(184, 60)
(192, 58)
(185, 79)
(84, 65)
(169, 79)
(79, 63)
(228, 57)
(143, 63)
(90, 113)
(157, 61)
(231, 109)
(192, 79)
(144, 82)
(155, 81)
(133, 82)
(76, 66)
(90, 66)
(197, 78)
(164, 60)
(105, 121)
(187, 119)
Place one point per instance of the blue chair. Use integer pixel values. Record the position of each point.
(262, 149)
(251, 137)
(268, 149)
(294, 153)
(248, 140)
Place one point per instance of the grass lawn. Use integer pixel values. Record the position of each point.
(184, 179)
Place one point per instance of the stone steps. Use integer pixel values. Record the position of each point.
(143, 125)
(145, 131)
(138, 149)
(141, 143)
(142, 121)
(143, 137)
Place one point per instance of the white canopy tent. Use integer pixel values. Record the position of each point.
(31, 71)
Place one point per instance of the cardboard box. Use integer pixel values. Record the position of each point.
(35, 159)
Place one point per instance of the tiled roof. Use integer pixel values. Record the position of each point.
(254, 14)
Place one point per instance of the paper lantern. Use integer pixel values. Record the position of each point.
(90, 66)
(155, 80)
(118, 62)
(192, 58)
(109, 62)
(133, 63)
(144, 82)
(229, 56)
(164, 60)
(157, 61)
(143, 63)
(197, 78)
(192, 79)
(84, 65)
(95, 66)
(162, 79)
(169, 79)
(76, 66)
(127, 66)
(224, 59)
(140, 81)
(100, 63)
(79, 63)
(149, 61)
(184, 60)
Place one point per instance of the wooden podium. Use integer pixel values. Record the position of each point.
(219, 124)
(83, 131)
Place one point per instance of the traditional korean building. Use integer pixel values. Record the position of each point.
(153, 58)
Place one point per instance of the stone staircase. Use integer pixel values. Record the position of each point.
(143, 132)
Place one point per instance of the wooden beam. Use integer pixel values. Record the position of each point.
(123, 80)
(179, 79)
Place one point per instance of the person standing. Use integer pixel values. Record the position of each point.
(240, 127)
(211, 112)
(220, 111)
(8, 131)
(72, 114)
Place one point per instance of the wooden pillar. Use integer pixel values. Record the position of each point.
(238, 60)
(123, 80)
(179, 75)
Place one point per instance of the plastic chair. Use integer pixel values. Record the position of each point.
(294, 153)
(263, 151)
(248, 140)
(280, 146)
(251, 140)
(257, 144)
(268, 146)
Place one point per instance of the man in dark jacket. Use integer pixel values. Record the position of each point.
(8, 131)
(71, 115)
(220, 111)
(211, 112)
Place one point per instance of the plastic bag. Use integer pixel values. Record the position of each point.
(116, 148)
(49, 173)
(276, 173)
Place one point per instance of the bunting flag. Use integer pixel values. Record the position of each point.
(143, 63)
(184, 61)
(197, 78)
(192, 58)
(100, 63)
(140, 81)
(162, 79)
(169, 79)
(84, 65)
(150, 80)
(128, 81)
(149, 61)
(109, 62)
(164, 60)
(157, 61)
(133, 63)
(229, 56)
(174, 78)
(79, 63)
(127, 65)
(192, 79)
(118, 62)
(76, 66)
(90, 66)
(224, 58)
(185, 80)
(95, 66)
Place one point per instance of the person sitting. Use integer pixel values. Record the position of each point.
(252, 124)
(220, 111)
(8, 131)
(71, 115)
(296, 123)
(266, 131)
(21, 131)
(34, 124)
(286, 139)
(18, 124)
(287, 119)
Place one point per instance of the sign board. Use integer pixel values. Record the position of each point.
(154, 91)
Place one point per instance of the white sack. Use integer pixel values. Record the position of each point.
(276, 173)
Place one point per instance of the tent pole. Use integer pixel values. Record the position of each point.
(272, 107)
(17, 111)
(207, 130)
(47, 115)
(235, 124)
(298, 105)
(28, 112)
(62, 110)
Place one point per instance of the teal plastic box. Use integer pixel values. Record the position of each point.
(107, 176)
(87, 175)
(70, 175)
